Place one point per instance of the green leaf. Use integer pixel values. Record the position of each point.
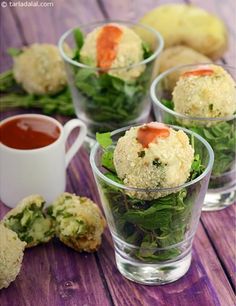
(83, 74)
(107, 160)
(14, 51)
(146, 50)
(104, 139)
(7, 81)
(168, 103)
(78, 37)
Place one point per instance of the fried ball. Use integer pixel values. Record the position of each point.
(183, 24)
(29, 222)
(78, 221)
(207, 91)
(175, 56)
(129, 51)
(40, 69)
(163, 162)
(11, 255)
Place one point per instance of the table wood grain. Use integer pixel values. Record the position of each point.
(54, 275)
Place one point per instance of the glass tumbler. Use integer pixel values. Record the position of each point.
(109, 99)
(219, 132)
(152, 238)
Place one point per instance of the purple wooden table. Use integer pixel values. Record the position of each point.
(54, 275)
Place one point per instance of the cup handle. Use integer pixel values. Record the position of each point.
(68, 127)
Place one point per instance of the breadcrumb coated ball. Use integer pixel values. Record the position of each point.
(165, 162)
(207, 91)
(11, 255)
(175, 56)
(40, 69)
(129, 51)
(78, 221)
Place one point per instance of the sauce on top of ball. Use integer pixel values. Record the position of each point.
(107, 44)
(149, 132)
(198, 72)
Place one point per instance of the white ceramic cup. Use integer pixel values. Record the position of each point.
(38, 171)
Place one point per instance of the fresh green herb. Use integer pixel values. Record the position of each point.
(7, 81)
(14, 51)
(157, 163)
(104, 139)
(141, 154)
(168, 103)
(59, 103)
(79, 38)
(147, 52)
(221, 136)
(210, 107)
(31, 225)
(110, 100)
(150, 225)
(197, 168)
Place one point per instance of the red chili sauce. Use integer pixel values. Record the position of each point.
(107, 44)
(28, 133)
(149, 132)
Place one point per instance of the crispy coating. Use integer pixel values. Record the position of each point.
(208, 96)
(183, 24)
(165, 163)
(78, 221)
(40, 69)
(129, 52)
(29, 222)
(175, 56)
(11, 255)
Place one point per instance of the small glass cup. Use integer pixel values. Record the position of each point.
(222, 186)
(103, 102)
(156, 247)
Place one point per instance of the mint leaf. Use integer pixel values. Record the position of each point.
(14, 51)
(78, 37)
(104, 139)
(168, 103)
(107, 160)
(146, 50)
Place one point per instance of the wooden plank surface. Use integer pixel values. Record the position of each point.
(61, 276)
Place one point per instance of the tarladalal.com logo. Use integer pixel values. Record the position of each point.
(27, 4)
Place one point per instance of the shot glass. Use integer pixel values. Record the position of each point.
(108, 99)
(153, 239)
(219, 132)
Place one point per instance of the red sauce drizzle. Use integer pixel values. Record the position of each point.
(149, 132)
(107, 43)
(198, 72)
(28, 133)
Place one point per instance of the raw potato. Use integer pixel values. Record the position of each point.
(182, 24)
(178, 55)
(11, 255)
